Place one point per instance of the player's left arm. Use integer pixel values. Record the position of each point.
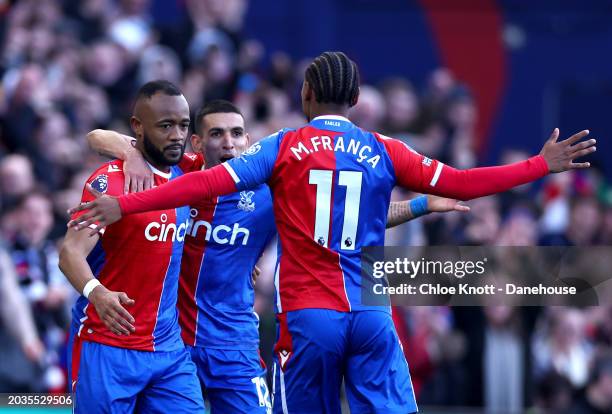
(138, 175)
(418, 173)
(403, 211)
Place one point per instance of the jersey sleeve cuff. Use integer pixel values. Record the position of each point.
(541, 164)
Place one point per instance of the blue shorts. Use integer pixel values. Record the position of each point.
(317, 348)
(118, 380)
(234, 381)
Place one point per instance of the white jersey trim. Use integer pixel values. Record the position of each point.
(283, 396)
(436, 176)
(231, 171)
(279, 307)
(160, 173)
(82, 320)
(332, 117)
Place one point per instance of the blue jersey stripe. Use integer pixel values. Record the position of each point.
(167, 332)
(372, 203)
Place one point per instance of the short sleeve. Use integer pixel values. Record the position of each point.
(255, 165)
(191, 161)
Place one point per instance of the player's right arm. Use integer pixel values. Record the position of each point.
(109, 305)
(402, 211)
(138, 175)
(252, 168)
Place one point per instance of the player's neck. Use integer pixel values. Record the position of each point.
(328, 109)
(160, 166)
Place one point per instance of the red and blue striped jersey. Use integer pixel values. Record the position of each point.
(332, 184)
(226, 237)
(141, 256)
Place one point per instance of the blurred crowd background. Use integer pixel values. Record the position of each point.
(69, 67)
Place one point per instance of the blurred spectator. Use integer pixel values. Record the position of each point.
(131, 28)
(483, 223)
(504, 351)
(402, 107)
(434, 350)
(36, 259)
(370, 109)
(584, 224)
(518, 229)
(107, 65)
(159, 62)
(21, 350)
(597, 395)
(602, 329)
(605, 235)
(16, 178)
(562, 345)
(553, 395)
(40, 280)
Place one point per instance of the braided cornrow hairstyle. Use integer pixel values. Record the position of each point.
(334, 78)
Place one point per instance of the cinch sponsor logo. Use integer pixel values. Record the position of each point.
(221, 234)
(164, 231)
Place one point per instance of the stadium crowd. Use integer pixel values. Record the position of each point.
(69, 67)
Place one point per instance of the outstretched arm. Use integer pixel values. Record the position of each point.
(423, 175)
(184, 190)
(254, 167)
(403, 211)
(138, 175)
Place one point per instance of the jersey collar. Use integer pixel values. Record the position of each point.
(332, 123)
(160, 173)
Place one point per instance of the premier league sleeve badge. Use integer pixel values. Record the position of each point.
(100, 183)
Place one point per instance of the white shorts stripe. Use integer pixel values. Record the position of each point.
(436, 176)
(273, 383)
(283, 396)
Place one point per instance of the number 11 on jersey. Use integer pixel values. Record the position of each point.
(323, 179)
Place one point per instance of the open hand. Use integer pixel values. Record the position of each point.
(559, 155)
(138, 175)
(110, 308)
(437, 204)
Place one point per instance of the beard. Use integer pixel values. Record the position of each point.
(158, 156)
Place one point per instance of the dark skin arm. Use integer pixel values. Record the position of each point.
(399, 212)
(138, 175)
(109, 305)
